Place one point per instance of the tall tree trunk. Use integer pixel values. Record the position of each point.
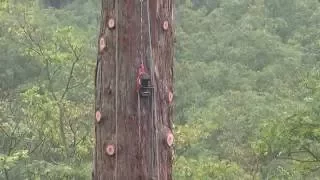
(134, 133)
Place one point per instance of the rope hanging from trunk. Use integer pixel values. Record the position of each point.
(117, 78)
(154, 117)
(154, 125)
(154, 104)
(141, 61)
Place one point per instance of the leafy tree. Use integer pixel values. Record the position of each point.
(246, 89)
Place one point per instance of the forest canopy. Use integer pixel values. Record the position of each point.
(247, 89)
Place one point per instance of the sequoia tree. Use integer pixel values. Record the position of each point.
(134, 91)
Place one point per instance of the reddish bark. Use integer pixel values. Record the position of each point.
(129, 134)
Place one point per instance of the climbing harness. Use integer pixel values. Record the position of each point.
(144, 86)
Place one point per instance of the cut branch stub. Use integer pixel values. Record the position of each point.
(98, 116)
(165, 25)
(111, 23)
(170, 139)
(110, 149)
(102, 44)
(167, 136)
(170, 97)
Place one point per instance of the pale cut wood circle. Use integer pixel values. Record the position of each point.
(98, 116)
(165, 25)
(170, 139)
(111, 23)
(102, 44)
(110, 149)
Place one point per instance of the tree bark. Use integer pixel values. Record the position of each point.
(133, 133)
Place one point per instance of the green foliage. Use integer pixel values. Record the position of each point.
(246, 77)
(45, 126)
(207, 168)
(248, 69)
(7, 162)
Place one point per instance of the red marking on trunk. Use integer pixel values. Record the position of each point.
(141, 71)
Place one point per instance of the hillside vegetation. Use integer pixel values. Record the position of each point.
(247, 89)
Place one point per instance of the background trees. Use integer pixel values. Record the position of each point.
(246, 87)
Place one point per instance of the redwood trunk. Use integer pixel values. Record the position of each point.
(133, 133)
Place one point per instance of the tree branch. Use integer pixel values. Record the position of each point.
(311, 153)
(77, 58)
(40, 52)
(4, 131)
(298, 160)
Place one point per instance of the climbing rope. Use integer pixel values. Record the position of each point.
(141, 61)
(152, 100)
(154, 121)
(141, 32)
(117, 77)
(154, 104)
(141, 70)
